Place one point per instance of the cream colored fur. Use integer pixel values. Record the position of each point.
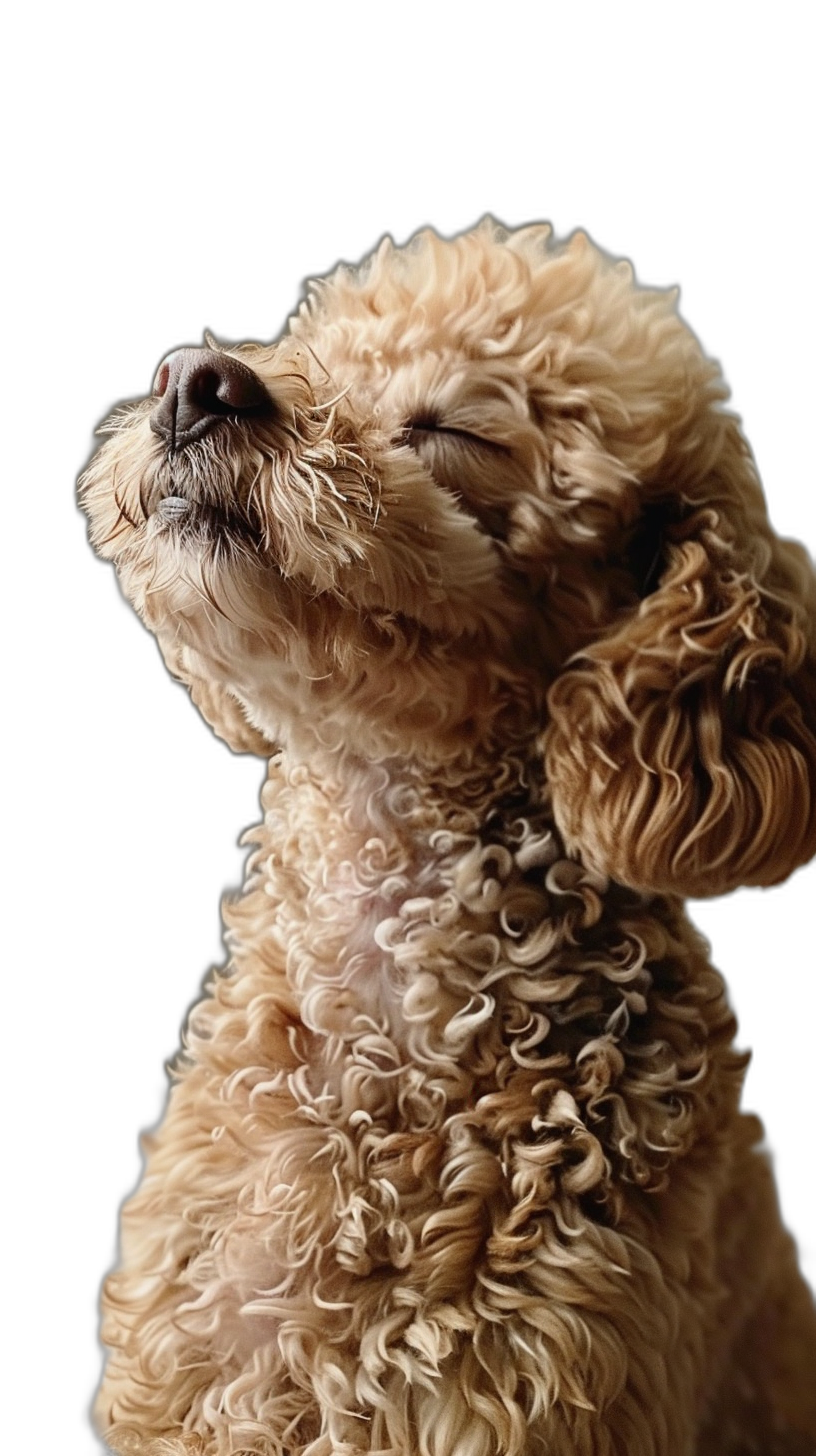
(453, 1163)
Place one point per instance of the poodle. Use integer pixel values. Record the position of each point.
(453, 1162)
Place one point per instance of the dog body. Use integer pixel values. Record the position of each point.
(453, 1161)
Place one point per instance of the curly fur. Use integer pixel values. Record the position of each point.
(453, 1160)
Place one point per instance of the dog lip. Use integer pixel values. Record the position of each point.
(173, 508)
(206, 517)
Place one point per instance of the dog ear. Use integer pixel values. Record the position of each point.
(681, 745)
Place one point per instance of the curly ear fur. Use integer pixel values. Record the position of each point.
(681, 748)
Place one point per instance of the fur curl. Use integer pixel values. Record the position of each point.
(453, 1160)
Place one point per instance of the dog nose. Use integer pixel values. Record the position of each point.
(198, 387)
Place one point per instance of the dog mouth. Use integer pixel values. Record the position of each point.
(173, 509)
(185, 517)
(196, 487)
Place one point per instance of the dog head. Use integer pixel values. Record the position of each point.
(484, 492)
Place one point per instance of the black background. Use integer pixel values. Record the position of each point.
(194, 219)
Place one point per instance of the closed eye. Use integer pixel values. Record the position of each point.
(423, 428)
(471, 467)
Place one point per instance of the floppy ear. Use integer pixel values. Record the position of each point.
(681, 746)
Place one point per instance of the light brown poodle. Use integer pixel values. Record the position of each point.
(453, 1163)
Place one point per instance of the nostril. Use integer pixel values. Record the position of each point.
(162, 380)
(198, 387)
(204, 387)
(225, 388)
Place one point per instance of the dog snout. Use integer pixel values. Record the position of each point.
(196, 388)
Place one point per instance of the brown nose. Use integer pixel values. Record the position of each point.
(198, 387)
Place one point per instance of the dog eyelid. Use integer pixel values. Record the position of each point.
(425, 427)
